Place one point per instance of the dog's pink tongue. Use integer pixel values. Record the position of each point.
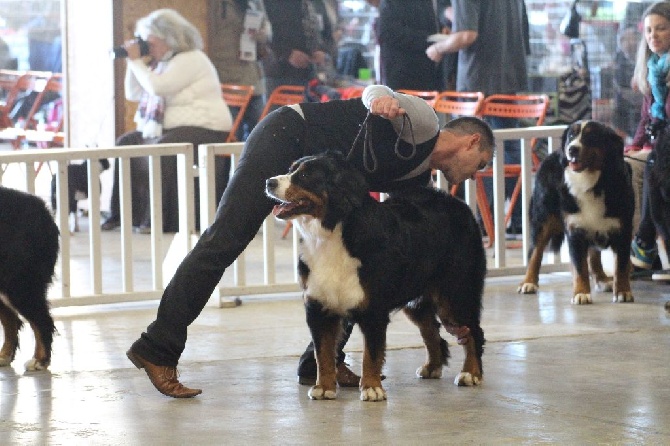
(276, 210)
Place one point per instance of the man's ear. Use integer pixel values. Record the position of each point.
(475, 140)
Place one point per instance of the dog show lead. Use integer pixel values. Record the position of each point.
(391, 155)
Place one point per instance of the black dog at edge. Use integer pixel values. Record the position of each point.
(420, 251)
(29, 245)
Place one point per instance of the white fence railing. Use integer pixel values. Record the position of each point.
(272, 259)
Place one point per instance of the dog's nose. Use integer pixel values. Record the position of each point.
(573, 152)
(271, 183)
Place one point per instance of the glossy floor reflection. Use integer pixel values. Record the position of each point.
(553, 373)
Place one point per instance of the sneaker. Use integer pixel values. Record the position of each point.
(642, 258)
(663, 275)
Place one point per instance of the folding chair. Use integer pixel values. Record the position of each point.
(237, 97)
(509, 106)
(284, 95)
(428, 95)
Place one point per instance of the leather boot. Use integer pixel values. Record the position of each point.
(163, 377)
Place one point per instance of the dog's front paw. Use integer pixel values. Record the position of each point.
(465, 379)
(5, 361)
(622, 296)
(34, 365)
(320, 393)
(581, 299)
(427, 372)
(528, 288)
(373, 394)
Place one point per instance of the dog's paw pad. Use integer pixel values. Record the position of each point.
(33, 365)
(426, 372)
(319, 393)
(465, 379)
(373, 394)
(581, 299)
(623, 296)
(527, 288)
(604, 286)
(5, 361)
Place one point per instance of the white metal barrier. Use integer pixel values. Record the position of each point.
(276, 258)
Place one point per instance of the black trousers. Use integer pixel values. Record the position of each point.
(646, 231)
(270, 150)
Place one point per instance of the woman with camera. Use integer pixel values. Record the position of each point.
(179, 96)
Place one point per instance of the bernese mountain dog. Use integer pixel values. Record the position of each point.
(419, 251)
(583, 194)
(29, 240)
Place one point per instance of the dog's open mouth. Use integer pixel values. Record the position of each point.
(575, 164)
(288, 209)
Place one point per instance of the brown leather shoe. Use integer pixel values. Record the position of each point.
(163, 377)
(345, 377)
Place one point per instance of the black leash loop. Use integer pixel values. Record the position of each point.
(368, 149)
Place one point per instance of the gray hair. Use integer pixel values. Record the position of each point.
(643, 52)
(167, 24)
(470, 125)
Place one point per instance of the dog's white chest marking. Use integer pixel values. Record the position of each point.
(591, 215)
(333, 278)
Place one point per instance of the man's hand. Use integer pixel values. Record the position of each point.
(433, 53)
(299, 59)
(386, 107)
(461, 333)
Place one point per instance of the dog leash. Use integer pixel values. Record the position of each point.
(368, 149)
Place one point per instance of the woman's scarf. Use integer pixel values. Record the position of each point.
(151, 110)
(658, 71)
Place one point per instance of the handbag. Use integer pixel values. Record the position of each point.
(570, 24)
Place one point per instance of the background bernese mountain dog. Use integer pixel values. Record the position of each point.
(361, 259)
(583, 193)
(29, 247)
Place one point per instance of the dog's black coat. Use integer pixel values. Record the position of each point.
(29, 245)
(589, 148)
(420, 250)
(659, 186)
(77, 182)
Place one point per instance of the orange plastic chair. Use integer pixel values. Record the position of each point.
(508, 106)
(428, 95)
(43, 83)
(351, 92)
(284, 95)
(23, 83)
(237, 97)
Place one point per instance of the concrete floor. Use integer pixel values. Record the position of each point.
(554, 373)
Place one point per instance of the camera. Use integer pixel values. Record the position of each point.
(120, 52)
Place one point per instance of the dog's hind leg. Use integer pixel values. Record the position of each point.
(11, 325)
(471, 337)
(374, 351)
(422, 313)
(32, 304)
(602, 280)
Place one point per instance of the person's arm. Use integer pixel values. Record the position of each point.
(465, 30)
(132, 88)
(384, 102)
(177, 74)
(450, 44)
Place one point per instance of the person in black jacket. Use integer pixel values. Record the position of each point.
(374, 131)
(404, 28)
